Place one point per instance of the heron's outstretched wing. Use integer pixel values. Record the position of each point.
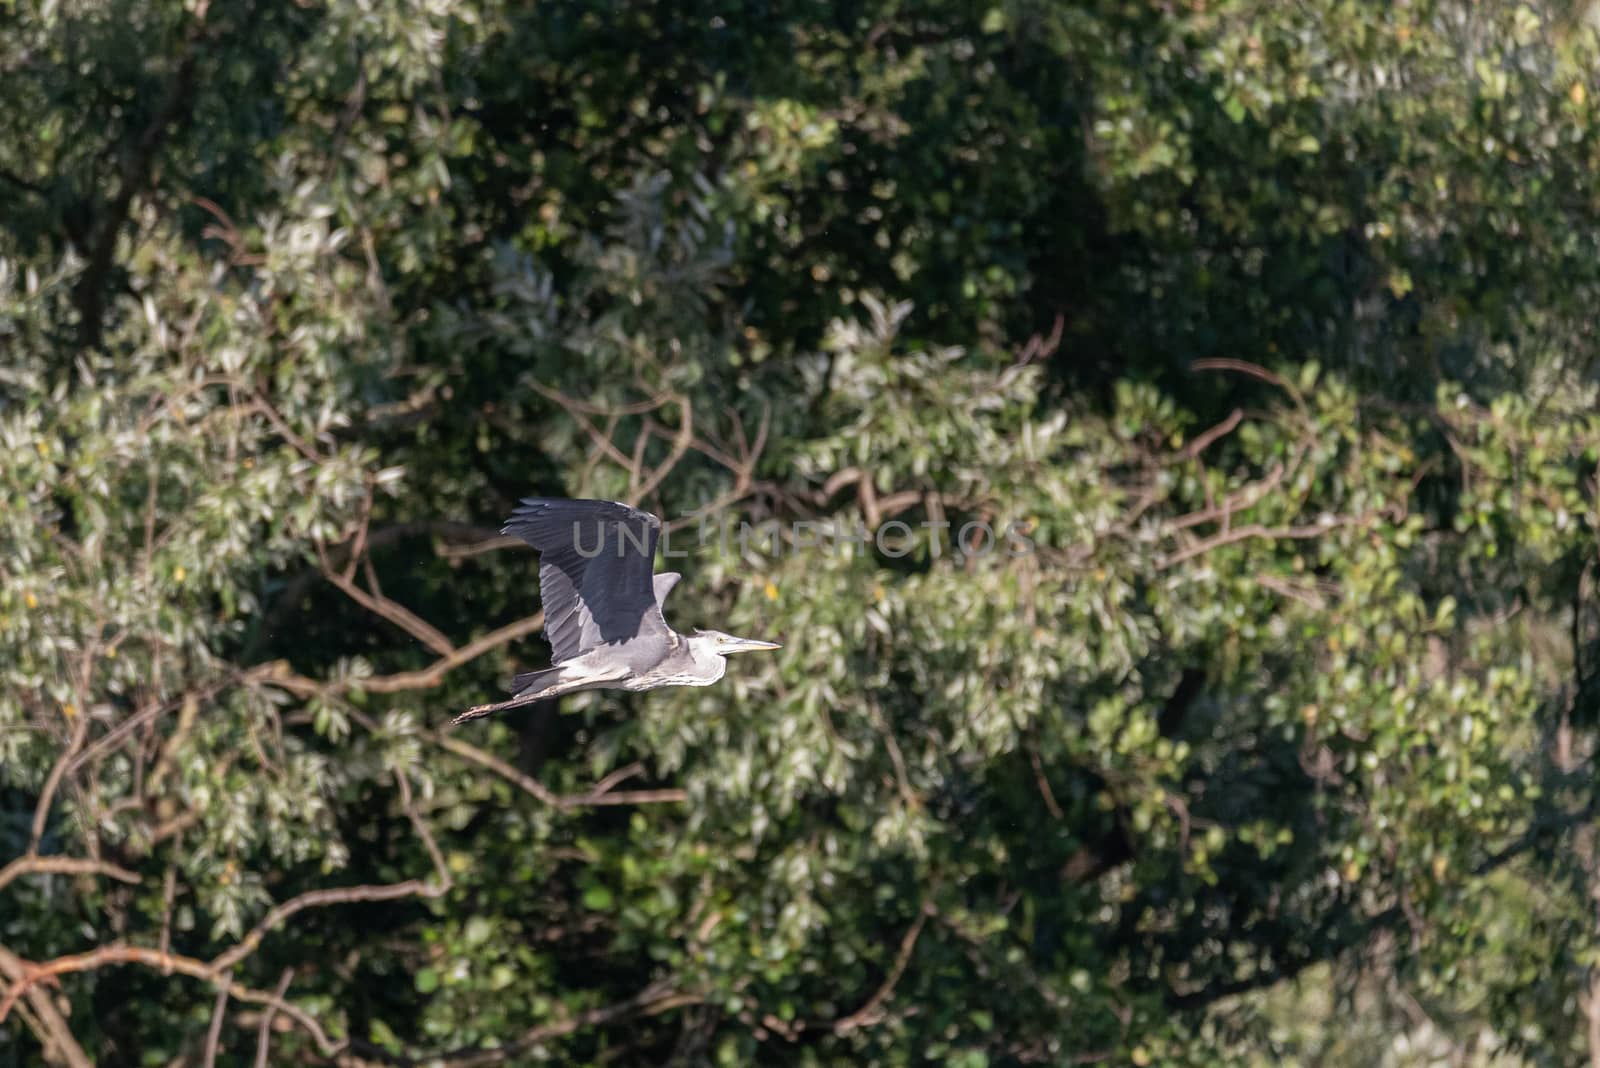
(595, 565)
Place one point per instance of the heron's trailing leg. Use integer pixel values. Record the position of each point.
(542, 685)
(532, 686)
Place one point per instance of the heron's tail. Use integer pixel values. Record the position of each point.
(529, 680)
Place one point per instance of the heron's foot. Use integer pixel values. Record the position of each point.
(477, 711)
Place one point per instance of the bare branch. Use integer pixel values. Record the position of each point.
(667, 796)
(316, 899)
(1256, 530)
(1244, 367)
(264, 1030)
(1044, 783)
(279, 673)
(434, 674)
(30, 975)
(421, 827)
(599, 795)
(871, 1012)
(478, 548)
(653, 1000)
(358, 547)
(1246, 496)
(218, 1012)
(1310, 597)
(169, 898)
(602, 440)
(41, 811)
(393, 611)
(572, 404)
(52, 1028)
(346, 894)
(680, 445)
(32, 864)
(300, 445)
(620, 775)
(1222, 429)
(115, 736)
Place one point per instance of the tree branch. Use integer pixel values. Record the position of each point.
(653, 1000)
(33, 864)
(214, 1033)
(264, 1030)
(41, 811)
(30, 975)
(279, 673)
(599, 795)
(52, 1028)
(393, 611)
(317, 899)
(870, 1012)
(1257, 530)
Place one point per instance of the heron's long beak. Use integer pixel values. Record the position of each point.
(746, 645)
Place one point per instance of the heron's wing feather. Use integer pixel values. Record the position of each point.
(663, 585)
(595, 565)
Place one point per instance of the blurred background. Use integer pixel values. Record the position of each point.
(1271, 325)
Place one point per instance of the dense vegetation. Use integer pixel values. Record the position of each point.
(1268, 327)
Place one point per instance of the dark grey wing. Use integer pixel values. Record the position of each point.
(596, 560)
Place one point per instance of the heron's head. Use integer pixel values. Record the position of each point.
(724, 644)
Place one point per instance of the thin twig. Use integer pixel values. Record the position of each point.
(41, 811)
(358, 547)
(620, 775)
(600, 794)
(1222, 429)
(299, 444)
(680, 445)
(218, 1012)
(572, 404)
(478, 548)
(1044, 783)
(169, 898)
(1256, 530)
(1246, 496)
(653, 1000)
(433, 674)
(264, 1030)
(393, 611)
(421, 827)
(1244, 367)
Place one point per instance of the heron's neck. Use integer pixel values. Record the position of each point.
(711, 663)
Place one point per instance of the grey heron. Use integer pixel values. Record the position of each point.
(602, 606)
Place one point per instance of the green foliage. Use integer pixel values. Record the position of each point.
(1163, 436)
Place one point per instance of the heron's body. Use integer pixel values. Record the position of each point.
(603, 606)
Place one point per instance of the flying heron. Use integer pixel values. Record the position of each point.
(602, 606)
